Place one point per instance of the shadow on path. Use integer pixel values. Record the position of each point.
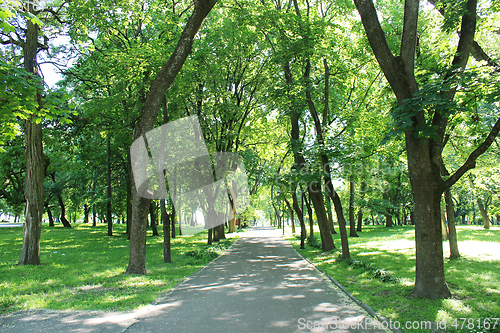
(261, 284)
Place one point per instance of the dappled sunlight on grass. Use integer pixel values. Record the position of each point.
(474, 279)
(82, 268)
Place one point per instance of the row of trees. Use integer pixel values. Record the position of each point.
(302, 91)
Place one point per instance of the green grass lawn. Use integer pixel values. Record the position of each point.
(381, 273)
(82, 269)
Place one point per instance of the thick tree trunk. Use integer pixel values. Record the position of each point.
(427, 192)
(352, 221)
(154, 101)
(35, 161)
(450, 212)
(137, 245)
(49, 215)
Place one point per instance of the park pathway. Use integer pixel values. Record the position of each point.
(261, 284)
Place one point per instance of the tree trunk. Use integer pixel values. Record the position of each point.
(484, 213)
(310, 215)
(86, 213)
(444, 229)
(167, 253)
(329, 213)
(129, 199)
(387, 212)
(290, 210)
(172, 220)
(360, 220)
(94, 216)
(352, 221)
(210, 236)
(424, 178)
(109, 217)
(35, 160)
(154, 101)
(300, 216)
(153, 218)
(450, 212)
(63, 218)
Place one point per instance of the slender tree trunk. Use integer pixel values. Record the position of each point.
(352, 221)
(290, 211)
(360, 219)
(109, 217)
(300, 216)
(86, 210)
(64, 220)
(167, 253)
(310, 216)
(444, 229)
(450, 212)
(35, 160)
(49, 215)
(387, 211)
(94, 216)
(362, 191)
(153, 218)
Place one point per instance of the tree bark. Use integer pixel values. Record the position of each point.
(424, 155)
(109, 217)
(167, 253)
(360, 211)
(314, 187)
(450, 213)
(64, 220)
(49, 215)
(300, 216)
(153, 218)
(154, 101)
(35, 160)
(86, 213)
(352, 221)
(290, 211)
(444, 228)
(484, 213)
(310, 215)
(329, 213)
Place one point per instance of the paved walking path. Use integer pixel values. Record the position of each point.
(260, 285)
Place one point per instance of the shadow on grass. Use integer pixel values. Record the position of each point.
(82, 268)
(474, 282)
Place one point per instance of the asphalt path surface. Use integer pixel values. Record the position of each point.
(261, 284)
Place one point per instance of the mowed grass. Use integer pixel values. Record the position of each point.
(83, 269)
(388, 254)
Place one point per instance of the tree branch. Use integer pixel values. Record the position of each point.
(470, 163)
(409, 41)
